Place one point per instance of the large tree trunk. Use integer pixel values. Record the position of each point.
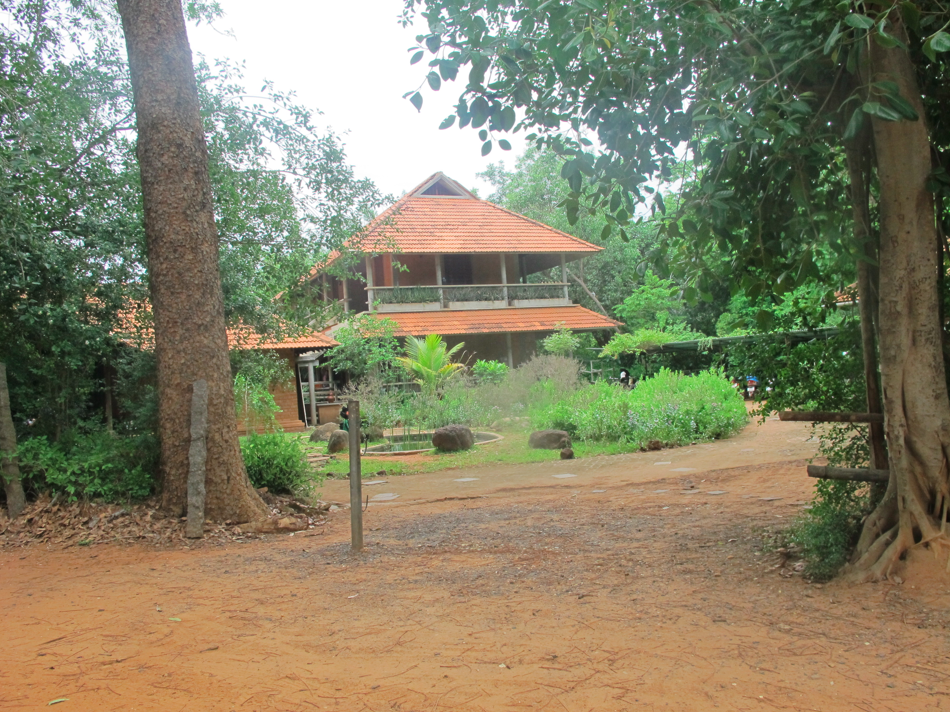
(190, 338)
(916, 406)
(9, 467)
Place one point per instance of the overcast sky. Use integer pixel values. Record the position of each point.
(349, 60)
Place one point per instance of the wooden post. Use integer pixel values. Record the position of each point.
(197, 459)
(567, 296)
(370, 292)
(313, 394)
(818, 416)
(356, 478)
(346, 297)
(438, 280)
(504, 279)
(850, 474)
(511, 356)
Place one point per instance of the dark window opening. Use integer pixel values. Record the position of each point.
(457, 269)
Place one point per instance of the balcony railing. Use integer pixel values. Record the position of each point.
(468, 296)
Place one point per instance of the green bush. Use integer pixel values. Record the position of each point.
(97, 465)
(669, 407)
(827, 533)
(276, 461)
(489, 371)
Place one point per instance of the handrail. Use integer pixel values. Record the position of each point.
(469, 286)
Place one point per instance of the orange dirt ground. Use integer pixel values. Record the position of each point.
(640, 583)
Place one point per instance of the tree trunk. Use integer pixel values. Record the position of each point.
(9, 467)
(185, 283)
(916, 406)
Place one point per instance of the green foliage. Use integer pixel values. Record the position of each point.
(489, 371)
(429, 361)
(97, 465)
(278, 462)
(366, 345)
(256, 373)
(562, 342)
(827, 533)
(669, 407)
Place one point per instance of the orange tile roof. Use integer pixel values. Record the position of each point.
(244, 340)
(496, 321)
(456, 224)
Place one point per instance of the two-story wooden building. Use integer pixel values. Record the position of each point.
(441, 261)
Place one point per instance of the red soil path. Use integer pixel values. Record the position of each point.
(631, 586)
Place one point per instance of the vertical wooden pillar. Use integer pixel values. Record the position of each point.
(313, 394)
(511, 355)
(356, 478)
(346, 297)
(504, 280)
(370, 292)
(438, 280)
(564, 277)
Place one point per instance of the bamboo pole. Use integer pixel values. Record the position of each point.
(848, 473)
(819, 416)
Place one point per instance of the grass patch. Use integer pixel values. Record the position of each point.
(512, 450)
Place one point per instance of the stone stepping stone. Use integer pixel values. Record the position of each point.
(563, 477)
(375, 482)
(662, 463)
(598, 491)
(748, 449)
(716, 492)
(658, 491)
(770, 499)
(384, 497)
(466, 479)
(690, 491)
(683, 469)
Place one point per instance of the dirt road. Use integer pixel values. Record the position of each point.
(631, 585)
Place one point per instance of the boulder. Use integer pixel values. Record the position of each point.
(567, 454)
(339, 441)
(323, 432)
(549, 439)
(452, 438)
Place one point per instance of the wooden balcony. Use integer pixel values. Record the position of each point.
(467, 296)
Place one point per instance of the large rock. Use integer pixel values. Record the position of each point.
(339, 441)
(452, 438)
(323, 432)
(549, 439)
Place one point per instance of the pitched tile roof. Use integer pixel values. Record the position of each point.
(496, 321)
(244, 340)
(423, 223)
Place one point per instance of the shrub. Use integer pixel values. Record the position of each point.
(489, 371)
(669, 407)
(827, 533)
(97, 465)
(277, 462)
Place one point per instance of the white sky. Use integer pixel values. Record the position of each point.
(349, 60)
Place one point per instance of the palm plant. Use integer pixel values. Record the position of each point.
(429, 361)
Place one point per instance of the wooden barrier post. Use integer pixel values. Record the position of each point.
(356, 478)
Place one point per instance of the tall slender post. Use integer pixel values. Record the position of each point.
(346, 297)
(438, 280)
(564, 277)
(504, 279)
(356, 478)
(511, 355)
(313, 394)
(369, 283)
